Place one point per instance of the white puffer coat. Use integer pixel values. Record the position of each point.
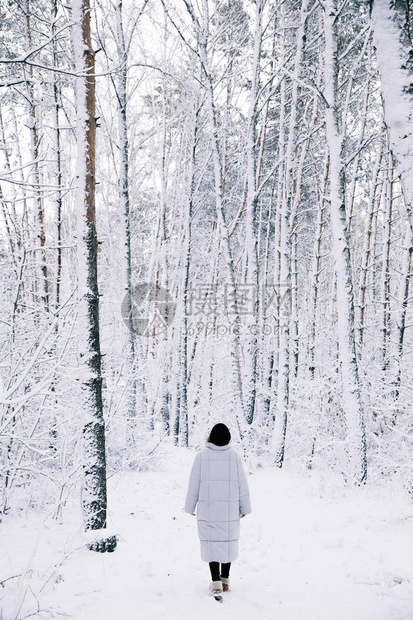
(219, 486)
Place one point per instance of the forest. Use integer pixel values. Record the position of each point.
(206, 214)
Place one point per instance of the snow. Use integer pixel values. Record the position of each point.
(352, 403)
(312, 549)
(395, 81)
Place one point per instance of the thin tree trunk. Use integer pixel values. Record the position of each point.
(184, 371)
(316, 272)
(368, 246)
(58, 170)
(386, 244)
(405, 291)
(284, 283)
(125, 228)
(251, 234)
(222, 226)
(35, 146)
(358, 149)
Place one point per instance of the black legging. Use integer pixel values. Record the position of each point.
(215, 574)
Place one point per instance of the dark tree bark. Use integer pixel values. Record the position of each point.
(94, 496)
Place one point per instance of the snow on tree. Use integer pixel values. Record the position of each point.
(392, 39)
(94, 493)
(345, 296)
(243, 157)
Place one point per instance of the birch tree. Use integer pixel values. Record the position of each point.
(251, 226)
(352, 404)
(201, 30)
(392, 21)
(123, 45)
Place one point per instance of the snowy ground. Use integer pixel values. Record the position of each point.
(311, 550)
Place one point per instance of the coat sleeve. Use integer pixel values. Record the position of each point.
(192, 495)
(244, 494)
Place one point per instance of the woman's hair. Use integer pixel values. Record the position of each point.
(219, 435)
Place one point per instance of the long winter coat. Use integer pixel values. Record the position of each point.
(219, 486)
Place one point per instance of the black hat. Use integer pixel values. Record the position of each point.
(220, 435)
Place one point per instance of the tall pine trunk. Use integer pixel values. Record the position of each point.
(94, 497)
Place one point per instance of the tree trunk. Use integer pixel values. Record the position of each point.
(393, 43)
(356, 439)
(386, 245)
(407, 272)
(126, 215)
(223, 228)
(94, 497)
(368, 246)
(58, 170)
(35, 146)
(284, 283)
(251, 224)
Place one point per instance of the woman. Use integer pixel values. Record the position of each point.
(219, 486)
